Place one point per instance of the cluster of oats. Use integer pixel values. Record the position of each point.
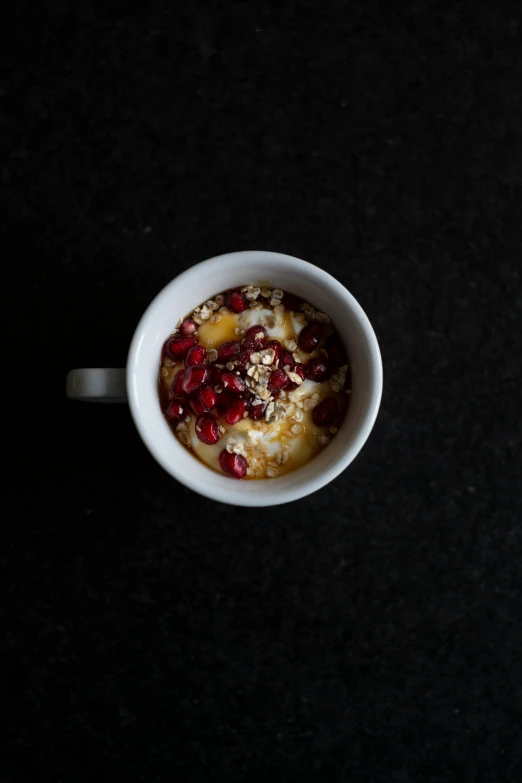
(255, 451)
(315, 315)
(338, 380)
(182, 431)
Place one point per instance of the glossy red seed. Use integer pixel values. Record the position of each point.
(175, 411)
(177, 347)
(227, 352)
(196, 405)
(292, 302)
(207, 429)
(257, 411)
(336, 350)
(310, 337)
(206, 396)
(243, 359)
(175, 387)
(255, 338)
(235, 412)
(233, 382)
(194, 377)
(317, 370)
(286, 359)
(215, 375)
(301, 372)
(344, 402)
(234, 464)
(188, 327)
(236, 301)
(224, 399)
(196, 355)
(278, 380)
(323, 414)
(276, 346)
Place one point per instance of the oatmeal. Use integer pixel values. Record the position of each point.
(255, 382)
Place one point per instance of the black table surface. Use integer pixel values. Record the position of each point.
(371, 632)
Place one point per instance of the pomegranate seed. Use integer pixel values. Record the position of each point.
(317, 370)
(229, 351)
(235, 412)
(336, 350)
(196, 355)
(234, 464)
(175, 411)
(207, 429)
(233, 382)
(292, 302)
(243, 359)
(206, 396)
(323, 414)
(177, 347)
(196, 405)
(310, 337)
(286, 359)
(276, 346)
(255, 338)
(278, 380)
(257, 411)
(175, 387)
(188, 327)
(194, 377)
(225, 399)
(344, 402)
(300, 370)
(215, 375)
(236, 301)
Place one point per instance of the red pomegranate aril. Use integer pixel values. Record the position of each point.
(301, 372)
(286, 359)
(196, 405)
(224, 399)
(255, 338)
(323, 414)
(243, 359)
(344, 402)
(336, 351)
(317, 370)
(278, 380)
(215, 375)
(188, 327)
(177, 347)
(207, 429)
(233, 382)
(227, 352)
(234, 464)
(175, 387)
(206, 396)
(196, 355)
(292, 302)
(236, 301)
(276, 346)
(257, 411)
(175, 411)
(235, 412)
(194, 377)
(310, 337)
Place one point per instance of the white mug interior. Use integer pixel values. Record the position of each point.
(200, 283)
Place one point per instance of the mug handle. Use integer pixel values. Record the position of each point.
(97, 384)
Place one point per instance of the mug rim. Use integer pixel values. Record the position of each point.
(324, 476)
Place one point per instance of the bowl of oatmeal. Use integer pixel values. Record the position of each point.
(254, 378)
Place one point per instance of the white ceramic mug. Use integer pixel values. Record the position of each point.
(138, 384)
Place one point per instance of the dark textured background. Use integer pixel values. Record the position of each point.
(372, 631)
